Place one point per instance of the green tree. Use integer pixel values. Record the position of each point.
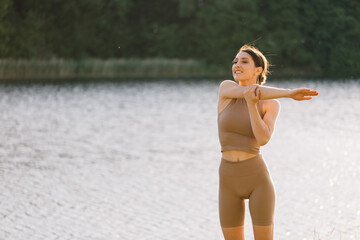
(4, 27)
(226, 25)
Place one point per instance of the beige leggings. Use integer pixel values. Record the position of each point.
(247, 179)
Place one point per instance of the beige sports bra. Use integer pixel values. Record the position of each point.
(234, 126)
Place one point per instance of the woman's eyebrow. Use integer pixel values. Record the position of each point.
(244, 58)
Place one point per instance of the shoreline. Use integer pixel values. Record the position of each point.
(23, 70)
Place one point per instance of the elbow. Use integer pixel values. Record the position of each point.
(263, 141)
(264, 137)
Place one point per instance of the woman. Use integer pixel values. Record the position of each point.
(247, 113)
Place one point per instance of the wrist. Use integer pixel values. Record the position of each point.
(288, 93)
(251, 104)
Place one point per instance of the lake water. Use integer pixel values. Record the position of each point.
(140, 160)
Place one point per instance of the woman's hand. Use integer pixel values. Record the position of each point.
(300, 94)
(252, 94)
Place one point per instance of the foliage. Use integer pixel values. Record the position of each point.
(317, 36)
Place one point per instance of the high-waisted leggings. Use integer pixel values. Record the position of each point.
(247, 179)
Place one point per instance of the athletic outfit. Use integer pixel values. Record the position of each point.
(247, 179)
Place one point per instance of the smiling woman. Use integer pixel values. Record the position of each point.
(247, 112)
(259, 61)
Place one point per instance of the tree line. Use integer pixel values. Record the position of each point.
(320, 37)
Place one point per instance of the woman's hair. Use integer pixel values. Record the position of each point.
(259, 60)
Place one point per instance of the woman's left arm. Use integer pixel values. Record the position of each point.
(263, 128)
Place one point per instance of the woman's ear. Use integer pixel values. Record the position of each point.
(259, 70)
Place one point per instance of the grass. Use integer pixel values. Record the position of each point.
(120, 68)
(19, 69)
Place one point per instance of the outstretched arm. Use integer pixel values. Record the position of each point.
(230, 89)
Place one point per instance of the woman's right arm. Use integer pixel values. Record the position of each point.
(230, 89)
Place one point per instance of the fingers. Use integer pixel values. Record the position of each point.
(252, 93)
(256, 90)
(313, 93)
(308, 92)
(304, 98)
(253, 88)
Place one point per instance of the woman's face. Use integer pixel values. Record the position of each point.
(244, 68)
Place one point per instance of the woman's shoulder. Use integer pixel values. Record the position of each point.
(227, 82)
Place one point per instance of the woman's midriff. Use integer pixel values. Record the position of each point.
(236, 155)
